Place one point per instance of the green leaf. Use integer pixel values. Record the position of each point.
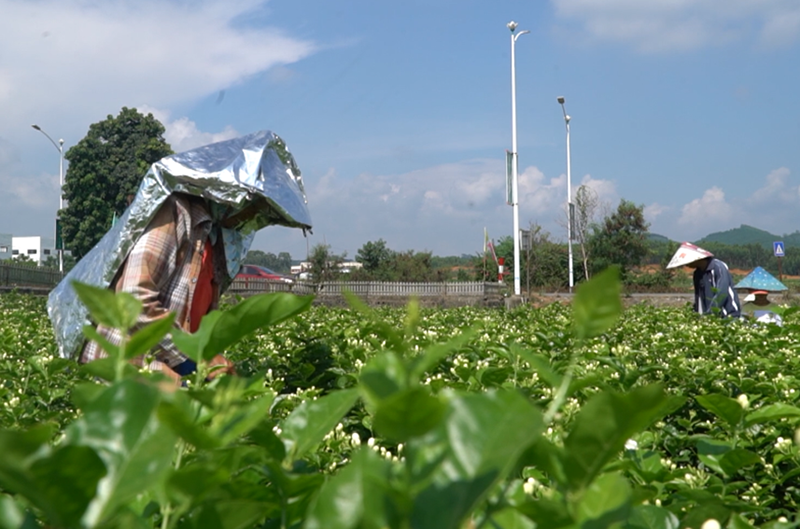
(723, 407)
(737, 459)
(540, 364)
(462, 459)
(495, 376)
(195, 482)
(220, 330)
(66, 482)
(408, 413)
(237, 420)
(104, 368)
(738, 522)
(311, 421)
(713, 508)
(118, 311)
(182, 422)
(597, 305)
(17, 445)
(60, 482)
(510, 518)
(435, 353)
(263, 436)
(90, 331)
(12, 516)
(605, 501)
(546, 456)
(382, 377)
(227, 514)
(356, 498)
(149, 336)
(771, 412)
(121, 426)
(546, 512)
(603, 425)
(86, 392)
(652, 517)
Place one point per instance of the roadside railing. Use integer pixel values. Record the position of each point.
(368, 289)
(13, 275)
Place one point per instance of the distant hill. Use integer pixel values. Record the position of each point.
(655, 237)
(745, 234)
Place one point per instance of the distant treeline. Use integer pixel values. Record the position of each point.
(742, 256)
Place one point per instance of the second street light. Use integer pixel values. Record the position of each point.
(58, 243)
(514, 184)
(570, 214)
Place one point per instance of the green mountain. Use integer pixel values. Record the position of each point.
(745, 234)
(655, 237)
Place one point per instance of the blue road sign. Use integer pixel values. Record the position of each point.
(777, 247)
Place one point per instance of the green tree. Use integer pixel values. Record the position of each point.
(374, 255)
(586, 204)
(414, 267)
(621, 239)
(105, 170)
(545, 263)
(377, 260)
(324, 264)
(23, 260)
(281, 263)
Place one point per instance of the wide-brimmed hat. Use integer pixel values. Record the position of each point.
(688, 253)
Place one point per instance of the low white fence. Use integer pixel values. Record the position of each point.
(367, 289)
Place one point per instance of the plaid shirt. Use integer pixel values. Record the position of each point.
(161, 271)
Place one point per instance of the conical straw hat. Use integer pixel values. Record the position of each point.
(688, 253)
(760, 279)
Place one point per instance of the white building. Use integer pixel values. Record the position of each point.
(37, 249)
(5, 246)
(345, 267)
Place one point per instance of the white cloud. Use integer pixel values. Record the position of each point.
(709, 212)
(771, 207)
(776, 189)
(443, 208)
(125, 53)
(182, 134)
(682, 25)
(655, 210)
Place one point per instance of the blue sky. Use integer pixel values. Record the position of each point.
(399, 113)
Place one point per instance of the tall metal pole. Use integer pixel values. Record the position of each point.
(569, 196)
(514, 184)
(60, 148)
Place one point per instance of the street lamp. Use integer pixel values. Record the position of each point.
(569, 195)
(60, 148)
(514, 187)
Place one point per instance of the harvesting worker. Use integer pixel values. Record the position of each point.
(182, 240)
(713, 285)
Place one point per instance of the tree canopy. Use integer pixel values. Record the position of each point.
(281, 263)
(105, 168)
(620, 238)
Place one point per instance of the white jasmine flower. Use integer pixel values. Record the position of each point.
(743, 401)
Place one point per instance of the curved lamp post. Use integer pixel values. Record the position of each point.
(60, 148)
(514, 187)
(569, 195)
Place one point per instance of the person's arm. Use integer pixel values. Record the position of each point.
(722, 286)
(146, 274)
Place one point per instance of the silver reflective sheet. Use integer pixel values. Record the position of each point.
(231, 173)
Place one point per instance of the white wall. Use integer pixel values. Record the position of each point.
(37, 249)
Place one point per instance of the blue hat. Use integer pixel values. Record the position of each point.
(760, 279)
